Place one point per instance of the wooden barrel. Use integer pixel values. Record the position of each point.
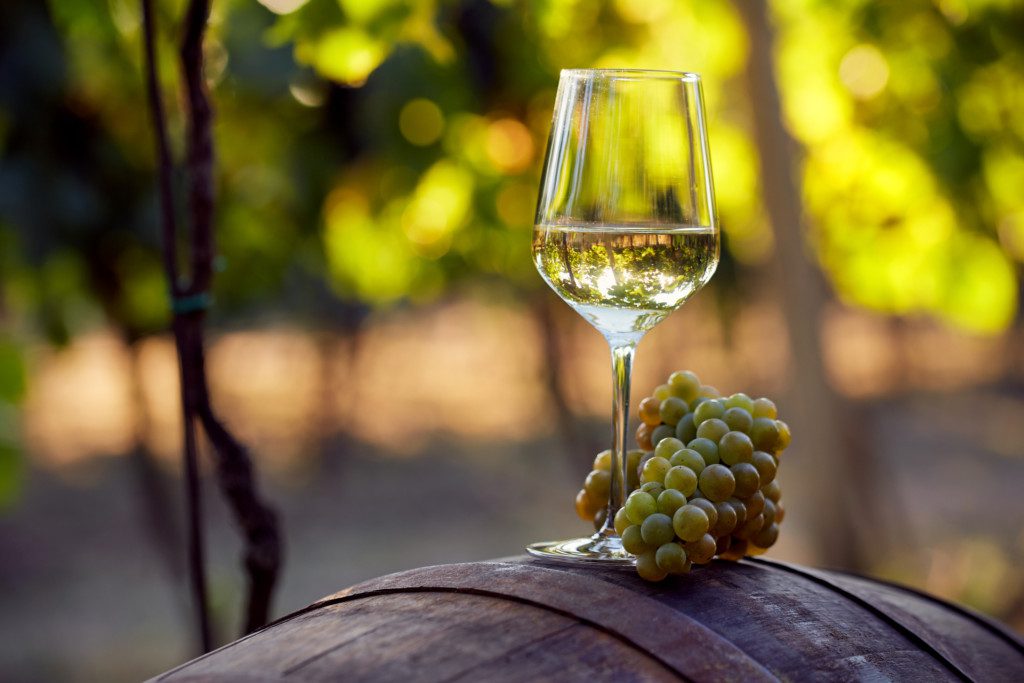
(522, 620)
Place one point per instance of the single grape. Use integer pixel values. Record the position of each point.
(780, 512)
(747, 479)
(647, 566)
(597, 484)
(621, 521)
(737, 550)
(654, 470)
(764, 407)
(735, 447)
(603, 461)
(740, 400)
(671, 558)
(772, 491)
(661, 392)
(717, 483)
(726, 521)
(655, 488)
(633, 541)
(707, 448)
(681, 478)
(750, 527)
(584, 509)
(672, 410)
(741, 510)
(713, 429)
(657, 529)
(709, 391)
(709, 508)
(648, 411)
(690, 523)
(685, 383)
(738, 420)
(632, 472)
(599, 517)
(662, 432)
(764, 434)
(666, 447)
(768, 512)
(755, 503)
(643, 436)
(766, 466)
(688, 457)
(784, 436)
(686, 431)
(766, 537)
(670, 500)
(702, 550)
(707, 410)
(639, 505)
(722, 544)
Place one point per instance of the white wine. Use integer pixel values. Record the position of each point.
(625, 279)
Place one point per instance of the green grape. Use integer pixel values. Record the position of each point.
(682, 479)
(597, 484)
(722, 544)
(672, 558)
(662, 432)
(584, 508)
(702, 550)
(741, 510)
(738, 419)
(735, 447)
(599, 517)
(657, 529)
(672, 410)
(747, 479)
(726, 522)
(690, 523)
(764, 407)
(632, 468)
(707, 448)
(688, 457)
(686, 431)
(713, 429)
(749, 528)
(768, 512)
(670, 500)
(603, 461)
(647, 566)
(772, 491)
(633, 541)
(643, 436)
(685, 383)
(649, 411)
(661, 392)
(709, 508)
(717, 483)
(766, 537)
(740, 400)
(707, 410)
(654, 488)
(766, 466)
(755, 503)
(621, 521)
(709, 391)
(784, 436)
(654, 470)
(667, 447)
(764, 434)
(639, 505)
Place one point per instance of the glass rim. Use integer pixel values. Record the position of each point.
(633, 74)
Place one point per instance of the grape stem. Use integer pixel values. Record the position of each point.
(622, 364)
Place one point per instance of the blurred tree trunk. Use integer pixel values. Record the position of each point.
(828, 436)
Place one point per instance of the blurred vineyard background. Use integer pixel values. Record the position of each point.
(411, 391)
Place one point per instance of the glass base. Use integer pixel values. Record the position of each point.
(599, 549)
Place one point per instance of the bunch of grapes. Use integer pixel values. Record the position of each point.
(703, 484)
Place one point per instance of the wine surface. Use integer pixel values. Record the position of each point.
(625, 279)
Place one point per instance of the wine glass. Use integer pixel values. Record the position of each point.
(625, 231)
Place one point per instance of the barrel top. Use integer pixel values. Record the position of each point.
(517, 618)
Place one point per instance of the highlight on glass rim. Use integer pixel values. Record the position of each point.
(307, 311)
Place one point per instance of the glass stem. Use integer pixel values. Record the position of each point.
(622, 364)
